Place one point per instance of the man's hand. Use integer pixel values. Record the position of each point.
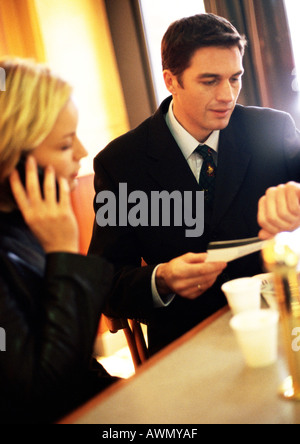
(279, 210)
(188, 276)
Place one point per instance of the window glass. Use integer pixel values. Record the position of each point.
(157, 16)
(293, 11)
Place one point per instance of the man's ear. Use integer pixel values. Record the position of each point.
(170, 81)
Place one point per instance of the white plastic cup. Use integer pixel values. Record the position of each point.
(257, 335)
(243, 294)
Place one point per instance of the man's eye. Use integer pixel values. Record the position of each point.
(209, 82)
(235, 79)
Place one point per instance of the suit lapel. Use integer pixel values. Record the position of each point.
(233, 159)
(166, 163)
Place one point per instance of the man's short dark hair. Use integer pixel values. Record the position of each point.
(189, 34)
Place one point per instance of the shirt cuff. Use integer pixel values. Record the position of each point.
(158, 300)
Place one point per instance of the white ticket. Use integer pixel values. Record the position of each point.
(230, 250)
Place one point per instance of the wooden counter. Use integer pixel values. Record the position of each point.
(199, 379)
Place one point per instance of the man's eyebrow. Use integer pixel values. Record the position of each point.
(207, 75)
(239, 73)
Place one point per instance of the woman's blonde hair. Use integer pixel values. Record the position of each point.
(29, 107)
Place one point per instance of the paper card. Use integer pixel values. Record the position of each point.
(227, 251)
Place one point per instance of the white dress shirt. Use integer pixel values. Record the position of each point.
(187, 143)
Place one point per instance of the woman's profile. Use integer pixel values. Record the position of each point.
(51, 297)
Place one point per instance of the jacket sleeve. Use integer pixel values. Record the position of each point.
(48, 338)
(131, 295)
(291, 144)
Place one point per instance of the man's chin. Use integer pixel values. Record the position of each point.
(221, 124)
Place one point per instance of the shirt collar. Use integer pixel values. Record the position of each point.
(186, 142)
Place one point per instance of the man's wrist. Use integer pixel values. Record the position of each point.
(160, 282)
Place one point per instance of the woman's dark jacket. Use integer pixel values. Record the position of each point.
(50, 307)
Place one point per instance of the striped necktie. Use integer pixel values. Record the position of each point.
(208, 172)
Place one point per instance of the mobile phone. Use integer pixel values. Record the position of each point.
(21, 168)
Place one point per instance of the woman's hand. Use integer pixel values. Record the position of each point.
(52, 222)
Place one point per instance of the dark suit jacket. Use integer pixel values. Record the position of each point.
(260, 148)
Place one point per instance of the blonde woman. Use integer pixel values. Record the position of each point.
(50, 296)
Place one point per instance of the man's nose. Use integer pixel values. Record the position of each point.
(225, 92)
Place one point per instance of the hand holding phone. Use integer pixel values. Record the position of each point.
(49, 216)
(21, 168)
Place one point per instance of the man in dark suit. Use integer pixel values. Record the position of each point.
(247, 150)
